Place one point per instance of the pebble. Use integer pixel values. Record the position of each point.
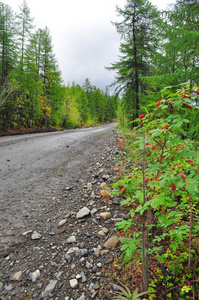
(16, 276)
(84, 279)
(72, 250)
(27, 232)
(68, 257)
(49, 289)
(8, 287)
(35, 275)
(93, 211)
(82, 297)
(94, 295)
(101, 233)
(96, 286)
(89, 186)
(85, 211)
(81, 252)
(93, 194)
(112, 242)
(58, 275)
(62, 222)
(105, 215)
(1, 286)
(71, 239)
(105, 230)
(35, 235)
(67, 188)
(73, 283)
(97, 252)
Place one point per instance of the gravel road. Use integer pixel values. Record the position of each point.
(34, 167)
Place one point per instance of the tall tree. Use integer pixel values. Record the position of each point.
(137, 30)
(183, 36)
(7, 42)
(25, 25)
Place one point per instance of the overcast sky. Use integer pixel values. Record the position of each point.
(84, 39)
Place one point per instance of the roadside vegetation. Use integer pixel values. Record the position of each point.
(158, 177)
(157, 173)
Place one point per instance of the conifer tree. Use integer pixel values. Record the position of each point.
(137, 30)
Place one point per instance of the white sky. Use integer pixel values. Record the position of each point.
(84, 39)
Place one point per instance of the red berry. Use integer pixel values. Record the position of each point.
(147, 144)
(197, 92)
(173, 187)
(142, 116)
(158, 103)
(182, 176)
(146, 180)
(163, 211)
(121, 186)
(189, 106)
(165, 126)
(124, 190)
(122, 232)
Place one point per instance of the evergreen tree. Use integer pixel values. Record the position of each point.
(7, 43)
(25, 26)
(183, 31)
(137, 30)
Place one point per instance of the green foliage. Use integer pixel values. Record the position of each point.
(157, 50)
(125, 294)
(164, 191)
(31, 86)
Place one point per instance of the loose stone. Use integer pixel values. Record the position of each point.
(71, 239)
(27, 232)
(82, 297)
(35, 275)
(96, 286)
(1, 286)
(105, 230)
(81, 252)
(106, 215)
(16, 276)
(49, 289)
(72, 250)
(93, 211)
(62, 222)
(8, 287)
(101, 233)
(36, 235)
(85, 211)
(67, 188)
(112, 242)
(73, 283)
(97, 252)
(84, 279)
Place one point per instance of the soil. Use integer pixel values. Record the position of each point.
(41, 208)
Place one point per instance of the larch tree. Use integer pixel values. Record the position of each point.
(137, 29)
(25, 26)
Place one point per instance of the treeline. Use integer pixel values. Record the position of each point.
(158, 49)
(32, 92)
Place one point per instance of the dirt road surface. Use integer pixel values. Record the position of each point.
(47, 250)
(33, 167)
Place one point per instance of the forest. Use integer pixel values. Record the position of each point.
(32, 92)
(157, 171)
(159, 49)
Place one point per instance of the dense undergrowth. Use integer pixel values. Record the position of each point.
(158, 179)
